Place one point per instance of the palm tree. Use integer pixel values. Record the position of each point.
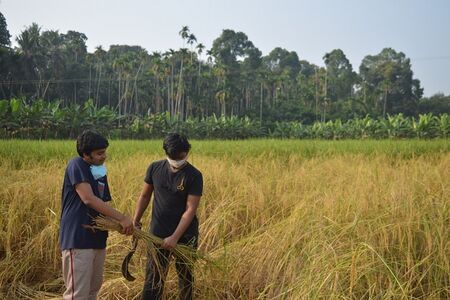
(157, 67)
(191, 40)
(200, 47)
(99, 55)
(54, 59)
(209, 54)
(180, 87)
(29, 48)
(170, 58)
(184, 33)
(223, 93)
(123, 68)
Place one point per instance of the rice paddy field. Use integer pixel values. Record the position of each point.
(281, 219)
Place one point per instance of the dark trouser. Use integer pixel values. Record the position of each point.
(156, 274)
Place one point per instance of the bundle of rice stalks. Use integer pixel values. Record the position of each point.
(188, 254)
(25, 292)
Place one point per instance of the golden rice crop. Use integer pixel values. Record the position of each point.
(339, 225)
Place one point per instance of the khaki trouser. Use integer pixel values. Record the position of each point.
(83, 273)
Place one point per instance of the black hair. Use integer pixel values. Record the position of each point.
(89, 141)
(174, 144)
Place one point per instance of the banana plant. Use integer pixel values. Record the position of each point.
(4, 113)
(42, 119)
(444, 125)
(427, 126)
(14, 124)
(398, 126)
(5, 118)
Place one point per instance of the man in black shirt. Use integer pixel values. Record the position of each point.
(178, 187)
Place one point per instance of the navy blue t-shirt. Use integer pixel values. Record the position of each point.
(75, 214)
(171, 190)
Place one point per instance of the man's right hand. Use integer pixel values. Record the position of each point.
(127, 225)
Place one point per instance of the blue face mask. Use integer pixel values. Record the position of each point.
(98, 171)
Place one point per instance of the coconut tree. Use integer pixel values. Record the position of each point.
(31, 54)
(170, 59)
(181, 84)
(200, 47)
(100, 56)
(184, 33)
(156, 70)
(52, 45)
(191, 39)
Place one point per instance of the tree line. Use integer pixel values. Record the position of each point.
(232, 79)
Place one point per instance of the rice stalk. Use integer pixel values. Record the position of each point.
(186, 253)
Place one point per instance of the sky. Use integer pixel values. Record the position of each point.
(418, 28)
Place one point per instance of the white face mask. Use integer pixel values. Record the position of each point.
(176, 164)
(98, 171)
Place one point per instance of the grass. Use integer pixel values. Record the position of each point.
(18, 153)
(284, 219)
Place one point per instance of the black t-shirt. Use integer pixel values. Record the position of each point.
(75, 213)
(171, 190)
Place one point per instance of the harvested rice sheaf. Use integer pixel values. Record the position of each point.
(184, 252)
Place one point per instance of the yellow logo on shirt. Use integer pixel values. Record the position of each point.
(180, 187)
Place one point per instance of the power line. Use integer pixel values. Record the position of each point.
(87, 80)
(74, 80)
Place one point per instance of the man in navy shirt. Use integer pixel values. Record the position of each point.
(178, 187)
(84, 195)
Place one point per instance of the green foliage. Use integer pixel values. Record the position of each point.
(436, 104)
(4, 33)
(290, 130)
(41, 120)
(429, 126)
(388, 85)
(158, 125)
(234, 79)
(340, 75)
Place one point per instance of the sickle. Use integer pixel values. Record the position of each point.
(126, 261)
